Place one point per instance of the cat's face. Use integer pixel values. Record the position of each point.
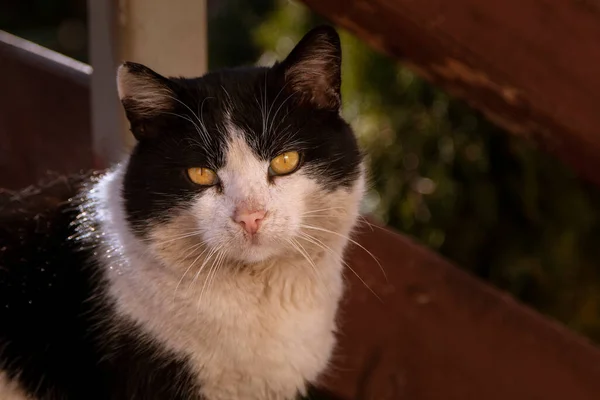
(244, 164)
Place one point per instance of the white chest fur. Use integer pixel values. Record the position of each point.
(250, 336)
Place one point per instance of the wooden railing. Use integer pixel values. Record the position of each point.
(435, 333)
(44, 113)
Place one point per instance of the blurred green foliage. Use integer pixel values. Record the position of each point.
(488, 201)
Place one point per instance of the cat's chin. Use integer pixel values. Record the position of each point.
(255, 254)
(255, 251)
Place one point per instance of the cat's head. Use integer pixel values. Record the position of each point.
(246, 164)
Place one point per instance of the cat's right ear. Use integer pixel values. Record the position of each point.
(144, 94)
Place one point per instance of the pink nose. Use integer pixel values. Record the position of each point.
(249, 220)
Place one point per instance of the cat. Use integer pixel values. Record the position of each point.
(206, 265)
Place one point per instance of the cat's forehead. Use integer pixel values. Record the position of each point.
(232, 87)
(246, 103)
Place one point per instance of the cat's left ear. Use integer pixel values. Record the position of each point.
(313, 68)
(144, 94)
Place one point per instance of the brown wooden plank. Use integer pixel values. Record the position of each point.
(438, 333)
(44, 113)
(529, 65)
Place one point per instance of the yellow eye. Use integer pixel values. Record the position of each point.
(202, 176)
(284, 163)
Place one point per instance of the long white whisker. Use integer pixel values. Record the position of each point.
(203, 133)
(300, 249)
(192, 249)
(186, 271)
(350, 240)
(201, 118)
(186, 106)
(322, 245)
(270, 129)
(194, 233)
(211, 272)
(369, 224)
(212, 252)
(190, 121)
(323, 209)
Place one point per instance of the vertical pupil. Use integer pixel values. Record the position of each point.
(285, 158)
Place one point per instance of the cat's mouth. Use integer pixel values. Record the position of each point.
(252, 240)
(254, 248)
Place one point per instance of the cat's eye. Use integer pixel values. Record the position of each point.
(203, 176)
(285, 163)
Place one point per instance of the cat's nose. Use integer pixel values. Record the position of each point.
(249, 220)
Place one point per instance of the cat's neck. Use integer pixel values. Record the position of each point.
(269, 325)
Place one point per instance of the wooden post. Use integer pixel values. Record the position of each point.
(168, 37)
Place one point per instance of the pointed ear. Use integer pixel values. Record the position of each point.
(313, 68)
(143, 93)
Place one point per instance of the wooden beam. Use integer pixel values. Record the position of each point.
(531, 66)
(438, 333)
(169, 39)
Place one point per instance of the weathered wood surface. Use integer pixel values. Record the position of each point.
(44, 113)
(529, 65)
(437, 333)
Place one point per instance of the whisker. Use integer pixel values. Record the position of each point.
(298, 247)
(369, 224)
(206, 260)
(350, 240)
(211, 273)
(186, 271)
(201, 118)
(191, 250)
(319, 243)
(278, 109)
(187, 235)
(323, 209)
(190, 121)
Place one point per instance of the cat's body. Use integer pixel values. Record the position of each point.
(222, 284)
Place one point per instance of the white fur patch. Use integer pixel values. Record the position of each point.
(257, 319)
(10, 390)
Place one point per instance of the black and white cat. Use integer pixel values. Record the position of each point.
(208, 265)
